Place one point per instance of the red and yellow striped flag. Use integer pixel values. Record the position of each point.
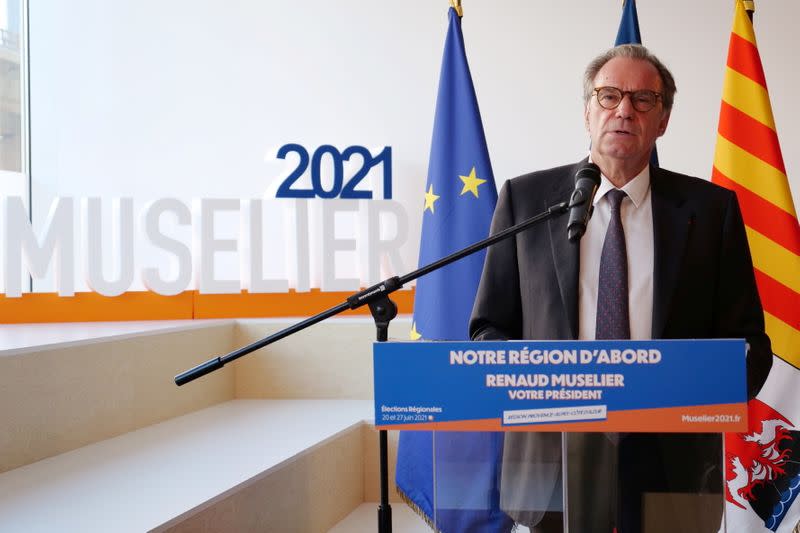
(748, 160)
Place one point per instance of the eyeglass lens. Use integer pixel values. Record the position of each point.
(611, 97)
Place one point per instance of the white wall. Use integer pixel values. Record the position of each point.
(186, 98)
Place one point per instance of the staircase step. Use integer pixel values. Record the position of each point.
(158, 477)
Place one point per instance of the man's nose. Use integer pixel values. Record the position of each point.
(625, 107)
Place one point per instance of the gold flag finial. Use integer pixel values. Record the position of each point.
(456, 4)
(750, 6)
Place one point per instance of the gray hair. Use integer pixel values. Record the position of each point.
(631, 51)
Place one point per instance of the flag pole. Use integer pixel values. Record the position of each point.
(456, 4)
(750, 7)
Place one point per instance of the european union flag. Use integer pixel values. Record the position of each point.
(628, 33)
(460, 196)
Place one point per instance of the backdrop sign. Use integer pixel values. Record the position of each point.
(666, 385)
(338, 230)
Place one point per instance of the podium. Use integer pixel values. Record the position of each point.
(573, 436)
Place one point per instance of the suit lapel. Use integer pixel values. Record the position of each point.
(672, 218)
(566, 256)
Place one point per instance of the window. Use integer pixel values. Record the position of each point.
(13, 109)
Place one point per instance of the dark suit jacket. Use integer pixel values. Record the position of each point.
(703, 285)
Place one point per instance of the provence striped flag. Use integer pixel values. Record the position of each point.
(451, 478)
(763, 465)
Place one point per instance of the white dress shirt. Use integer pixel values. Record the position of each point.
(637, 222)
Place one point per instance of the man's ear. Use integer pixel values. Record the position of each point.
(662, 126)
(586, 117)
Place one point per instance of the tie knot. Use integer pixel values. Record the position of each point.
(615, 197)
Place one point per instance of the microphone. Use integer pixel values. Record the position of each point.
(587, 180)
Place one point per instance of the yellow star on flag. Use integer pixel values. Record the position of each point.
(414, 335)
(471, 183)
(430, 198)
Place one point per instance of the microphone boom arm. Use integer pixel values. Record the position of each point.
(367, 296)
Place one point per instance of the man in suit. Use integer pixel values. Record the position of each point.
(686, 272)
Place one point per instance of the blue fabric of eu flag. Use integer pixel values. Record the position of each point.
(628, 33)
(459, 200)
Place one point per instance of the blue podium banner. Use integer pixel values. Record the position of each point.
(652, 386)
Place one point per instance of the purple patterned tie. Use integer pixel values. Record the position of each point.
(612, 290)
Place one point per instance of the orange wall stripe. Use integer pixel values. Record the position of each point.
(743, 58)
(290, 304)
(750, 135)
(763, 216)
(92, 307)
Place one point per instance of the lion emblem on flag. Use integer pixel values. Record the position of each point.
(763, 458)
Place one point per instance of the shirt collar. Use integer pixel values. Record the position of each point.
(636, 189)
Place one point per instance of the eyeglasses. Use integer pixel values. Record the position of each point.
(643, 100)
